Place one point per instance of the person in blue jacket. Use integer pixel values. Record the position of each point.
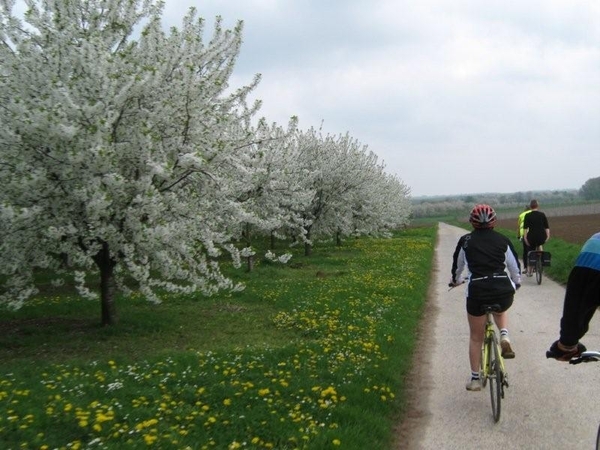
(582, 298)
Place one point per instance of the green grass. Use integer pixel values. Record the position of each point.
(563, 254)
(311, 355)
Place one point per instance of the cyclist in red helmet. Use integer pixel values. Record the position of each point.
(493, 276)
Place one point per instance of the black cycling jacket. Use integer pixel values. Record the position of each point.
(485, 253)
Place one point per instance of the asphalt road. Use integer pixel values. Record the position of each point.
(548, 405)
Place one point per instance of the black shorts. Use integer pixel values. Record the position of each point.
(536, 241)
(474, 305)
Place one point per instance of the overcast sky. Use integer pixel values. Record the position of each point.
(454, 96)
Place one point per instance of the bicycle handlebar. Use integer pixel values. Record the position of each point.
(452, 285)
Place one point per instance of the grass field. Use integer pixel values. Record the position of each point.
(311, 355)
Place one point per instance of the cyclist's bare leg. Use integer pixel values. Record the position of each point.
(501, 320)
(476, 334)
(529, 267)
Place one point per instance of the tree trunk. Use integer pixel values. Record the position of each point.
(338, 238)
(107, 285)
(247, 234)
(307, 246)
(272, 240)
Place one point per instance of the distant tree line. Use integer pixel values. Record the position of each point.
(591, 189)
(442, 205)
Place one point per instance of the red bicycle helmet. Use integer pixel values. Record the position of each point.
(483, 216)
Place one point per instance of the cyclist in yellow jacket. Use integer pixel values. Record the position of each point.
(521, 235)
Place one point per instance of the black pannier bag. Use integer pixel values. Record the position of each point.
(546, 258)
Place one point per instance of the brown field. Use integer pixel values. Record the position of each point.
(576, 229)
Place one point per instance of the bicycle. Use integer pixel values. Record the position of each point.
(587, 356)
(537, 259)
(492, 368)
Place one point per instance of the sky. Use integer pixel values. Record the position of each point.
(453, 96)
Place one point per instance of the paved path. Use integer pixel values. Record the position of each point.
(549, 405)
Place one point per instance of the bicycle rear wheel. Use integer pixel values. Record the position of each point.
(598, 439)
(495, 375)
(539, 268)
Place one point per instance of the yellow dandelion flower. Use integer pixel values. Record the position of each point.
(149, 439)
(336, 442)
(329, 391)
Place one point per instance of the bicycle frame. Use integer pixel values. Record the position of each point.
(490, 339)
(492, 364)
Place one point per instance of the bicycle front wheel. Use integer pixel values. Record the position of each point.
(539, 268)
(495, 379)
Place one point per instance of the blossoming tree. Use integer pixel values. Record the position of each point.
(108, 145)
(266, 187)
(135, 158)
(345, 181)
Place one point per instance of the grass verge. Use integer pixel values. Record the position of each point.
(563, 254)
(311, 355)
